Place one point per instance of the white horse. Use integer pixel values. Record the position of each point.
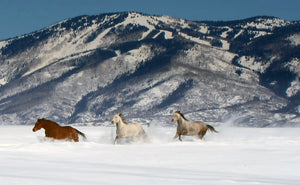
(125, 130)
(187, 128)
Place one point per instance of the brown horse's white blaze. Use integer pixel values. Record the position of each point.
(125, 130)
(187, 128)
(53, 130)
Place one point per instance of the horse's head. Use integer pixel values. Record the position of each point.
(116, 118)
(176, 116)
(38, 125)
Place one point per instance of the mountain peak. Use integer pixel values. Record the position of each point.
(86, 68)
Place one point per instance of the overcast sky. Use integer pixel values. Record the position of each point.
(18, 17)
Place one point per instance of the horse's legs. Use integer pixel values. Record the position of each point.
(179, 136)
(201, 134)
(176, 135)
(74, 136)
(144, 137)
(116, 140)
(69, 139)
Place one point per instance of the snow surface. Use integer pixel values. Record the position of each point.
(2, 81)
(225, 44)
(234, 156)
(295, 39)
(3, 44)
(259, 34)
(262, 23)
(294, 65)
(239, 33)
(194, 39)
(204, 29)
(253, 64)
(294, 88)
(225, 33)
(168, 34)
(67, 46)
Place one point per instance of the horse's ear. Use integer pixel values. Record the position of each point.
(119, 114)
(177, 111)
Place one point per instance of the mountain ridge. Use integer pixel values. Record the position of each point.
(86, 68)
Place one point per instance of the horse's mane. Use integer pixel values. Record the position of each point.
(178, 112)
(48, 121)
(123, 120)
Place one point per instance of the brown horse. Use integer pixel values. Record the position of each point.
(53, 130)
(188, 128)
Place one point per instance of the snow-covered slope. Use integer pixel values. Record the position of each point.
(83, 70)
(263, 156)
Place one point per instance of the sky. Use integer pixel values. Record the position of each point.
(19, 17)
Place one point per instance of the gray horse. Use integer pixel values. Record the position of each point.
(188, 128)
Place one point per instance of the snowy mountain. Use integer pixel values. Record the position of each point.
(85, 69)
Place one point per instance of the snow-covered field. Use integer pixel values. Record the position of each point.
(233, 156)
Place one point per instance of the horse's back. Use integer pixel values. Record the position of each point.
(69, 128)
(139, 127)
(194, 128)
(199, 125)
(52, 124)
(132, 129)
(61, 132)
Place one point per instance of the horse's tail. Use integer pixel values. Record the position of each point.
(82, 134)
(212, 129)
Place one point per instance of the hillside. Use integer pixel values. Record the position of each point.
(85, 69)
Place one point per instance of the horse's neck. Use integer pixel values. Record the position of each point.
(121, 123)
(47, 125)
(182, 121)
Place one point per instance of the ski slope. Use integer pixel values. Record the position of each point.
(264, 156)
